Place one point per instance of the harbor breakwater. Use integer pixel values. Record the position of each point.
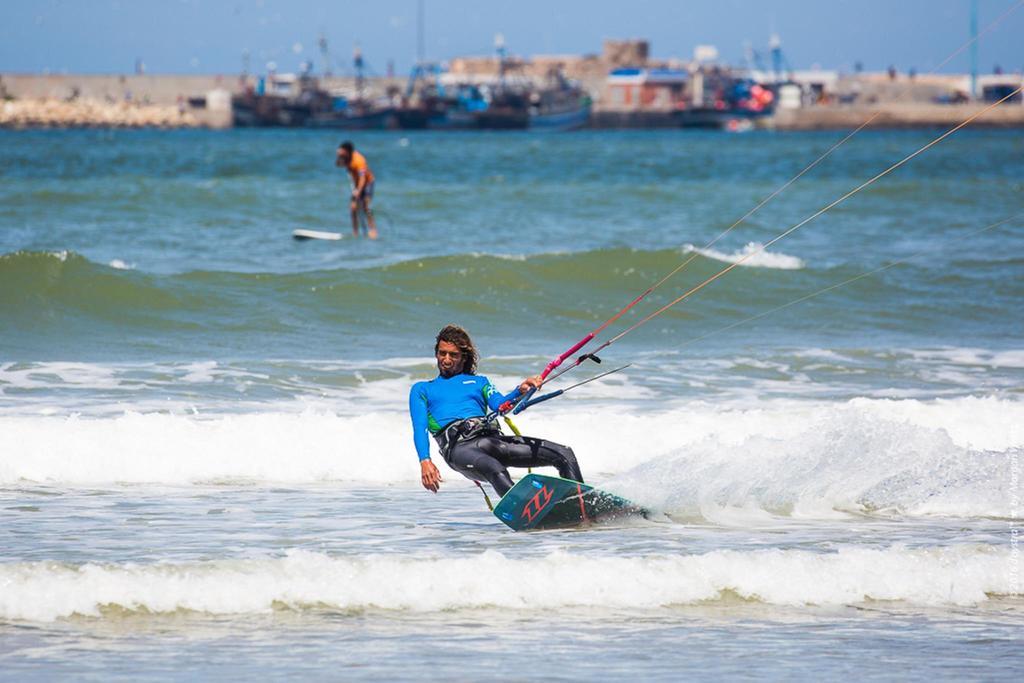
(111, 101)
(48, 113)
(897, 115)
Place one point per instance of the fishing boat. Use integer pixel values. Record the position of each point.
(299, 102)
(432, 103)
(559, 106)
(359, 112)
(355, 115)
(724, 101)
(444, 101)
(278, 100)
(496, 107)
(506, 101)
(292, 100)
(508, 108)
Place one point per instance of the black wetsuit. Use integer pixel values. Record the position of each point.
(488, 456)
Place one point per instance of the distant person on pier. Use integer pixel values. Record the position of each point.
(362, 186)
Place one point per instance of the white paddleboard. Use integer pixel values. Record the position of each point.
(315, 235)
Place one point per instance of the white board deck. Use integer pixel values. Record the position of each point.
(315, 235)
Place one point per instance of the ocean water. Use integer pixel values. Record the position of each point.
(206, 463)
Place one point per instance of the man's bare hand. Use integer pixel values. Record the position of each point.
(530, 383)
(429, 475)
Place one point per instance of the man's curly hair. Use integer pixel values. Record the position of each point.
(453, 334)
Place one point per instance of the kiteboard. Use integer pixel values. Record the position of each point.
(315, 235)
(542, 502)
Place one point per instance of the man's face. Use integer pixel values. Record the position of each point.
(449, 359)
(343, 156)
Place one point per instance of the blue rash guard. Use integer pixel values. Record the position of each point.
(436, 404)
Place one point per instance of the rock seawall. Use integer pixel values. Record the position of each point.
(50, 113)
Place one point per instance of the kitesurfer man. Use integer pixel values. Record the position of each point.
(452, 406)
(362, 186)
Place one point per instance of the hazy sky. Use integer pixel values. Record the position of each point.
(210, 36)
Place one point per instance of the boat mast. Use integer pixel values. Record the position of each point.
(499, 46)
(974, 49)
(325, 54)
(360, 80)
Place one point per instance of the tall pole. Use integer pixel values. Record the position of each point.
(499, 46)
(325, 54)
(358, 62)
(974, 49)
(775, 44)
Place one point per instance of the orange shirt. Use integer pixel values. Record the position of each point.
(358, 166)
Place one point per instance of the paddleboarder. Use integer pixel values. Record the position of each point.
(452, 408)
(362, 186)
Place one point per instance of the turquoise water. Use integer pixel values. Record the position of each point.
(204, 447)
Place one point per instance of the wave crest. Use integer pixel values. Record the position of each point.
(964, 575)
(951, 457)
(753, 255)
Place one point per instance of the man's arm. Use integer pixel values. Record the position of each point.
(429, 476)
(359, 182)
(495, 399)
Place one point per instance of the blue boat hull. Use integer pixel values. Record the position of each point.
(573, 119)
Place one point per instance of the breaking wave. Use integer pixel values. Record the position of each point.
(960, 575)
(753, 255)
(945, 457)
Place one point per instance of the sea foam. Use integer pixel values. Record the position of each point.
(753, 255)
(959, 575)
(943, 457)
